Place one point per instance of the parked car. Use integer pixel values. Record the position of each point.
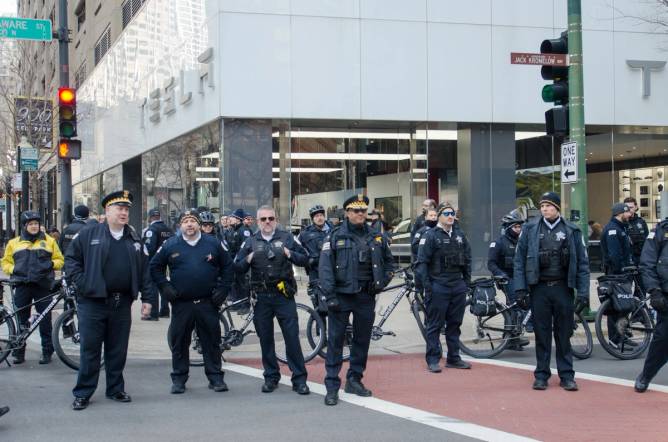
(401, 241)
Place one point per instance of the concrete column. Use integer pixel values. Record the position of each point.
(486, 182)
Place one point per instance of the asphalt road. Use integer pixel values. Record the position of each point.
(40, 398)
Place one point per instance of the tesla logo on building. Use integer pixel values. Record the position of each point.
(646, 67)
(162, 100)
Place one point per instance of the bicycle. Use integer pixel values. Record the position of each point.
(233, 336)
(634, 329)
(488, 336)
(408, 291)
(65, 337)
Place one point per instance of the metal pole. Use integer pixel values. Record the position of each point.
(578, 197)
(64, 165)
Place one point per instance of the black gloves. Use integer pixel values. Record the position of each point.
(168, 291)
(219, 296)
(581, 302)
(522, 297)
(658, 301)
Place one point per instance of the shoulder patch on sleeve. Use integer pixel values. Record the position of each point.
(149, 233)
(423, 240)
(492, 245)
(246, 233)
(417, 235)
(612, 232)
(650, 236)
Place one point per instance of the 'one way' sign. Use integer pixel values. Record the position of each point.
(569, 162)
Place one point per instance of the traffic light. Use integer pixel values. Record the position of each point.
(69, 149)
(556, 119)
(67, 112)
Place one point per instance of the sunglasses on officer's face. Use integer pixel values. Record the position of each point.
(358, 210)
(264, 219)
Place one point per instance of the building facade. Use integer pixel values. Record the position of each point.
(238, 103)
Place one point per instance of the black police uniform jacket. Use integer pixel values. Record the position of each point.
(269, 265)
(638, 232)
(87, 254)
(443, 258)
(654, 259)
(69, 233)
(615, 247)
(312, 238)
(339, 261)
(236, 236)
(527, 266)
(415, 241)
(501, 255)
(156, 234)
(196, 271)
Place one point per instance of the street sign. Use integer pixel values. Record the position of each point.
(539, 59)
(25, 28)
(17, 183)
(29, 158)
(569, 162)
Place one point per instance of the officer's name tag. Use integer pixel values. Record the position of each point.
(325, 246)
(492, 245)
(94, 242)
(340, 243)
(612, 232)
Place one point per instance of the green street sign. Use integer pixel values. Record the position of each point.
(25, 28)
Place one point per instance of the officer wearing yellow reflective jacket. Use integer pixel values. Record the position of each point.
(30, 259)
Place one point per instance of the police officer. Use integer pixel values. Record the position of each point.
(500, 258)
(637, 229)
(419, 221)
(236, 236)
(208, 223)
(270, 254)
(655, 280)
(312, 239)
(108, 266)
(355, 264)
(30, 260)
(551, 263)
(430, 221)
(249, 223)
(200, 273)
(79, 222)
(616, 254)
(154, 236)
(443, 271)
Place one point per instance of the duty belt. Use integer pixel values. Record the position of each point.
(553, 283)
(114, 298)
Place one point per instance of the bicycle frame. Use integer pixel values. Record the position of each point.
(406, 291)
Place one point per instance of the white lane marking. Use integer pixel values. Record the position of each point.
(578, 374)
(412, 414)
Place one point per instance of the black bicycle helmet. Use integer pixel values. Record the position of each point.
(28, 216)
(514, 217)
(315, 210)
(207, 217)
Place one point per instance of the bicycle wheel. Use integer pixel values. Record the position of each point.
(309, 322)
(66, 339)
(7, 333)
(314, 333)
(624, 335)
(486, 336)
(582, 342)
(420, 316)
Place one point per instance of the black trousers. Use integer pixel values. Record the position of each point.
(552, 308)
(200, 315)
(362, 307)
(103, 321)
(268, 307)
(24, 294)
(445, 306)
(657, 356)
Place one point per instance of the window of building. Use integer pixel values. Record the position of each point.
(129, 9)
(80, 75)
(102, 45)
(80, 13)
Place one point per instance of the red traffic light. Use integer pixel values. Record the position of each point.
(66, 95)
(69, 149)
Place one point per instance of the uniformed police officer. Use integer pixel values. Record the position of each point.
(355, 264)
(108, 266)
(551, 263)
(312, 239)
(500, 257)
(443, 271)
(208, 221)
(419, 221)
(200, 278)
(154, 236)
(30, 260)
(637, 229)
(616, 254)
(270, 254)
(655, 279)
(80, 220)
(430, 221)
(236, 236)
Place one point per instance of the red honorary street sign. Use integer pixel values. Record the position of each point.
(539, 59)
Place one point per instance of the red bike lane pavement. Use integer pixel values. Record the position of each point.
(501, 398)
